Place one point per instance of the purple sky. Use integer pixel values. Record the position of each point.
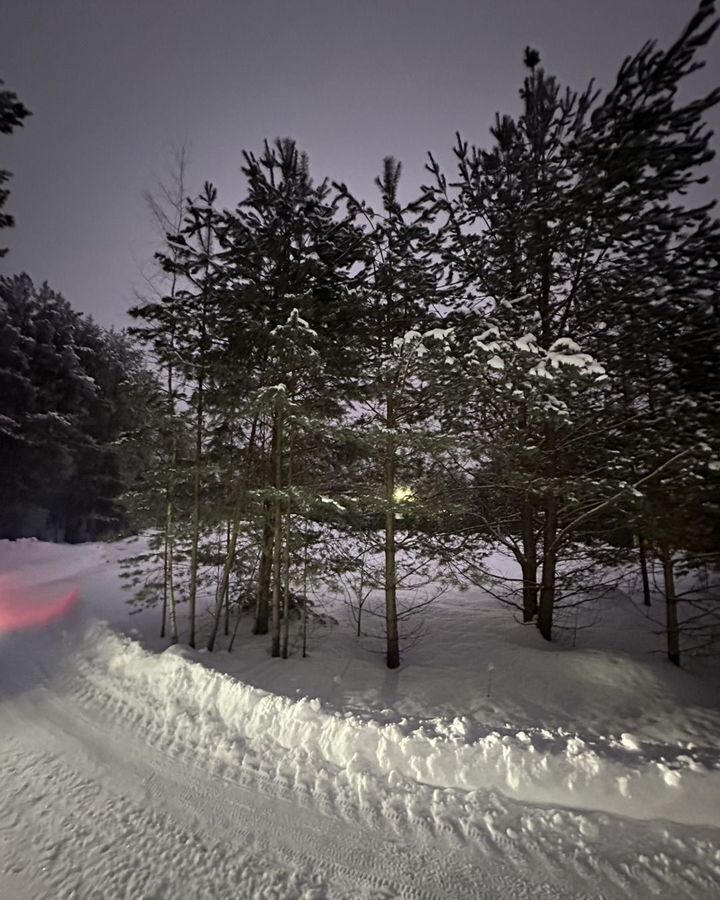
(114, 85)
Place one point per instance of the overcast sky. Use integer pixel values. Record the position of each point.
(115, 84)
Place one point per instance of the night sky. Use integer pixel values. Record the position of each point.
(114, 85)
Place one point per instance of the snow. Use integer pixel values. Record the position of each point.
(295, 322)
(439, 334)
(489, 765)
(566, 343)
(410, 337)
(539, 371)
(527, 342)
(330, 502)
(493, 331)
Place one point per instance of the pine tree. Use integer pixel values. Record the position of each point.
(571, 227)
(661, 290)
(290, 252)
(180, 327)
(166, 207)
(400, 287)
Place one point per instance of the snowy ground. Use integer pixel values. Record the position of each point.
(489, 766)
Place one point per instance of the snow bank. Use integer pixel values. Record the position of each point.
(187, 703)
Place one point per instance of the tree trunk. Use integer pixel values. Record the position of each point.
(223, 588)
(530, 590)
(177, 205)
(226, 605)
(192, 594)
(262, 606)
(277, 574)
(286, 588)
(361, 595)
(169, 586)
(223, 597)
(546, 606)
(277, 546)
(391, 621)
(673, 628)
(169, 539)
(305, 598)
(202, 338)
(262, 603)
(529, 563)
(226, 626)
(549, 565)
(286, 558)
(165, 587)
(644, 569)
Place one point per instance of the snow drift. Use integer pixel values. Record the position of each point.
(221, 717)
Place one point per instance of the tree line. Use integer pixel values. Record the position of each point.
(71, 411)
(522, 356)
(70, 400)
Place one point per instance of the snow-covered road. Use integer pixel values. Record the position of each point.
(101, 816)
(103, 798)
(126, 773)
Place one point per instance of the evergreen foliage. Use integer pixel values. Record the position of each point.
(71, 402)
(522, 357)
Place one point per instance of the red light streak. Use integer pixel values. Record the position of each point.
(19, 609)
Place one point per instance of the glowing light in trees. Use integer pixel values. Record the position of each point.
(403, 494)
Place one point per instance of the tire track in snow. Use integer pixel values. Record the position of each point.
(77, 838)
(217, 818)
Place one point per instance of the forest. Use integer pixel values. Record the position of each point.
(364, 392)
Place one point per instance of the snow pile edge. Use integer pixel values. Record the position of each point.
(557, 768)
